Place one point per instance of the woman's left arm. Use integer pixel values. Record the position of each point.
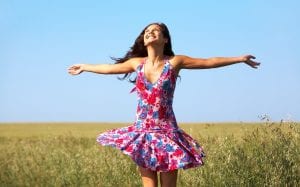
(185, 62)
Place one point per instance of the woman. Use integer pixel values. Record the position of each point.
(154, 141)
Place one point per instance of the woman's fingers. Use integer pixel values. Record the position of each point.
(74, 69)
(253, 64)
(249, 60)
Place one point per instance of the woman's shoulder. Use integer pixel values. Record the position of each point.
(176, 60)
(136, 61)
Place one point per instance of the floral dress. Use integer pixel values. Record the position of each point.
(154, 140)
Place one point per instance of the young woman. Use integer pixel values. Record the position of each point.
(154, 141)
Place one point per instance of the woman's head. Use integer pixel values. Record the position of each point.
(139, 48)
(141, 42)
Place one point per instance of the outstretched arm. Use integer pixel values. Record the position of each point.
(185, 62)
(120, 68)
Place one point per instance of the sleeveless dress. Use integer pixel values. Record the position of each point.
(154, 140)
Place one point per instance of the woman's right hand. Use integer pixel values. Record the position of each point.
(76, 69)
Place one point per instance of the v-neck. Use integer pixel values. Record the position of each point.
(161, 74)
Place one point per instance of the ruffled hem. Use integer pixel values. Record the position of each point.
(157, 150)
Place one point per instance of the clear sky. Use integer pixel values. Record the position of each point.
(40, 39)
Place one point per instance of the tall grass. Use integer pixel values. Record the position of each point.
(267, 155)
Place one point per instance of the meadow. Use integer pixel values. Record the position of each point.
(66, 154)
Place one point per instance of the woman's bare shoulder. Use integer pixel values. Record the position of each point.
(136, 61)
(176, 60)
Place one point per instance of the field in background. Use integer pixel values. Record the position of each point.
(90, 130)
(64, 154)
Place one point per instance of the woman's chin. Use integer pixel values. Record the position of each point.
(152, 43)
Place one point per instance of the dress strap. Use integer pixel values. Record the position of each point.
(139, 70)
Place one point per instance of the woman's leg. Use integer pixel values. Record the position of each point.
(168, 179)
(149, 177)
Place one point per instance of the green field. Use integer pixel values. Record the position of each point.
(61, 154)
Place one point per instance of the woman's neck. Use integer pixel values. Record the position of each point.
(155, 55)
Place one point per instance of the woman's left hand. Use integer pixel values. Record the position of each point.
(248, 60)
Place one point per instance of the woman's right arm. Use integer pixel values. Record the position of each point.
(120, 68)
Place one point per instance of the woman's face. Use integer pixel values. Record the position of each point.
(154, 35)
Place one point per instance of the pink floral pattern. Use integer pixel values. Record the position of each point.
(155, 141)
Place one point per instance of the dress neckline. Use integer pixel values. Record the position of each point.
(160, 75)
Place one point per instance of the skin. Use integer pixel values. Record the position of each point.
(154, 41)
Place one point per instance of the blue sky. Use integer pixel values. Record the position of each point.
(40, 39)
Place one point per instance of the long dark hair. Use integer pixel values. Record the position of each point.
(139, 49)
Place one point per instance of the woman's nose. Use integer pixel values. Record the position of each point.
(151, 32)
